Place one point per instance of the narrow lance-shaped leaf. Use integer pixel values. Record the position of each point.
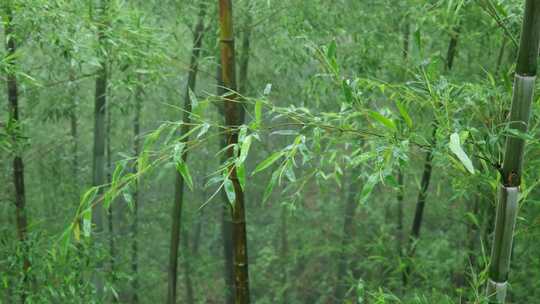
(455, 147)
(229, 190)
(404, 114)
(269, 161)
(183, 169)
(246, 144)
(385, 121)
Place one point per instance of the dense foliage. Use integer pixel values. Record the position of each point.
(341, 118)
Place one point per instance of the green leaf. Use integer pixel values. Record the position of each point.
(244, 150)
(385, 121)
(178, 152)
(270, 186)
(289, 172)
(128, 197)
(347, 91)
(184, 171)
(368, 188)
(66, 240)
(269, 161)
(331, 52)
(204, 129)
(87, 222)
(455, 147)
(229, 190)
(116, 174)
(404, 114)
(77, 231)
(418, 40)
(241, 174)
(88, 197)
(194, 100)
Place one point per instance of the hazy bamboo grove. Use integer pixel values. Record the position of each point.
(262, 151)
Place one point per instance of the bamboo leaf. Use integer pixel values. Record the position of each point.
(455, 147)
(246, 144)
(184, 172)
(194, 100)
(178, 152)
(382, 119)
(331, 52)
(270, 186)
(404, 114)
(204, 129)
(87, 222)
(347, 91)
(241, 174)
(229, 190)
(289, 172)
(368, 188)
(77, 231)
(268, 162)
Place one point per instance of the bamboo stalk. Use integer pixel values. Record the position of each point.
(400, 176)
(428, 165)
(18, 164)
(233, 118)
(348, 230)
(136, 196)
(226, 223)
(507, 206)
(98, 162)
(179, 185)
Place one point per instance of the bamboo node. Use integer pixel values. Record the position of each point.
(497, 291)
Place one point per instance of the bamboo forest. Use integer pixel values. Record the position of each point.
(266, 151)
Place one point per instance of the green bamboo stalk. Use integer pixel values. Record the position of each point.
(100, 104)
(226, 223)
(428, 165)
(18, 165)
(110, 213)
(245, 52)
(506, 214)
(347, 234)
(136, 195)
(400, 176)
(233, 118)
(179, 185)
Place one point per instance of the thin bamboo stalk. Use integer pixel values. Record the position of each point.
(100, 104)
(179, 185)
(136, 197)
(512, 168)
(348, 230)
(18, 164)
(400, 176)
(428, 165)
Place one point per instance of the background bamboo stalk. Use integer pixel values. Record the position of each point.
(18, 164)
(179, 185)
(100, 105)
